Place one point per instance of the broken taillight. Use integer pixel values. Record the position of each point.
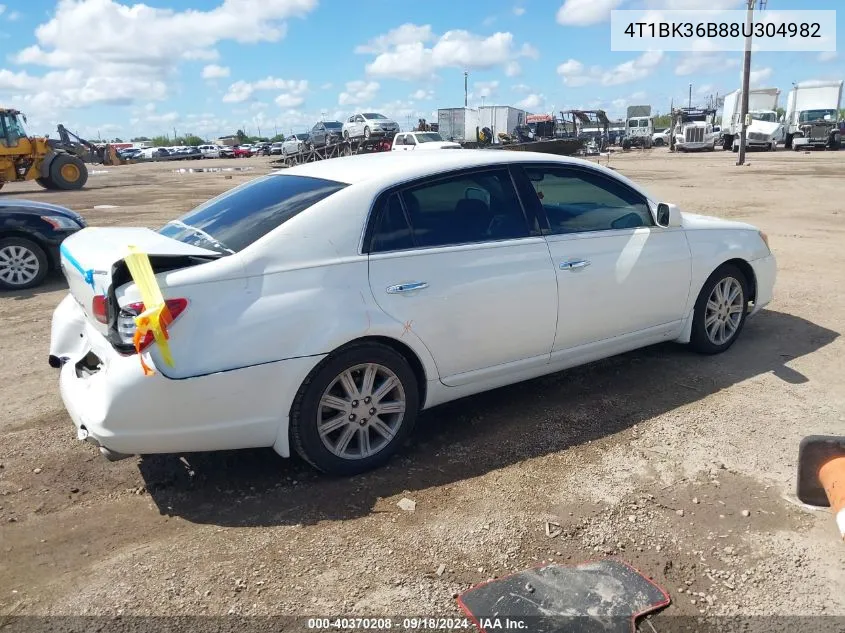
(126, 321)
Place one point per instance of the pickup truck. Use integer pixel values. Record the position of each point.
(405, 141)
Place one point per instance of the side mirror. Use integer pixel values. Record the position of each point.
(668, 215)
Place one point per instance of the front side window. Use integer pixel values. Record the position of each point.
(465, 209)
(578, 200)
(429, 137)
(234, 220)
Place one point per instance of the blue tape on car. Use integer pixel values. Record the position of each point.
(87, 274)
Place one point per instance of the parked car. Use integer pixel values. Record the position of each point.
(153, 152)
(30, 236)
(242, 151)
(325, 133)
(129, 153)
(190, 153)
(320, 308)
(276, 148)
(422, 141)
(261, 149)
(369, 124)
(662, 137)
(294, 143)
(209, 151)
(227, 151)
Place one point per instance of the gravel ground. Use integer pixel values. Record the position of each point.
(681, 465)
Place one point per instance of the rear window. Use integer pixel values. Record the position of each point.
(234, 220)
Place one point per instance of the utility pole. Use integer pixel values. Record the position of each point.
(466, 88)
(746, 81)
(690, 96)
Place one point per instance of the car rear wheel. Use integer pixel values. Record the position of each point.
(720, 311)
(23, 264)
(355, 410)
(367, 133)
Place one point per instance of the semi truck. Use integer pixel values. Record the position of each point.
(639, 127)
(812, 115)
(763, 130)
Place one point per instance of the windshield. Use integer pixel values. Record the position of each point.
(234, 220)
(373, 115)
(771, 117)
(334, 125)
(429, 137)
(817, 115)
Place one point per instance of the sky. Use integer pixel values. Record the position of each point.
(111, 68)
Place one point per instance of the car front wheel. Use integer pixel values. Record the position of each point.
(355, 410)
(720, 311)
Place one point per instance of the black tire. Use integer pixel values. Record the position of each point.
(304, 434)
(345, 135)
(367, 133)
(699, 341)
(835, 143)
(60, 169)
(40, 256)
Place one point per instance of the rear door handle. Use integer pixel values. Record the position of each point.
(574, 264)
(410, 286)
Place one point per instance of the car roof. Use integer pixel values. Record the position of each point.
(388, 168)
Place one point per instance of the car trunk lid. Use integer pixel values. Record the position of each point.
(88, 260)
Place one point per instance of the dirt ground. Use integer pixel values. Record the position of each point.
(681, 465)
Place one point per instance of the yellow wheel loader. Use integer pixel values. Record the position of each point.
(52, 163)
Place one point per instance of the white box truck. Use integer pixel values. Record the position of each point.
(639, 127)
(763, 130)
(500, 119)
(458, 124)
(812, 115)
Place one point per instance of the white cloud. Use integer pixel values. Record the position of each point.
(513, 69)
(485, 89)
(213, 71)
(413, 52)
(358, 92)
(87, 43)
(405, 34)
(585, 12)
(759, 75)
(827, 56)
(697, 64)
(293, 91)
(422, 95)
(488, 21)
(327, 86)
(521, 88)
(14, 15)
(518, 11)
(531, 102)
(575, 74)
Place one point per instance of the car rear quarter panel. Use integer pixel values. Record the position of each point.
(300, 291)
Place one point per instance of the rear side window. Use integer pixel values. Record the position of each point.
(465, 209)
(234, 220)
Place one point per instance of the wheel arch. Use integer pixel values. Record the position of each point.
(403, 349)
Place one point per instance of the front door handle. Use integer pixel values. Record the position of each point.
(410, 286)
(574, 264)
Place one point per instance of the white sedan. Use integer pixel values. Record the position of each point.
(319, 309)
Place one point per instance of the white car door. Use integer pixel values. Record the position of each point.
(618, 273)
(455, 261)
(410, 142)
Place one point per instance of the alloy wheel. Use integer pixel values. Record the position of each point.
(361, 411)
